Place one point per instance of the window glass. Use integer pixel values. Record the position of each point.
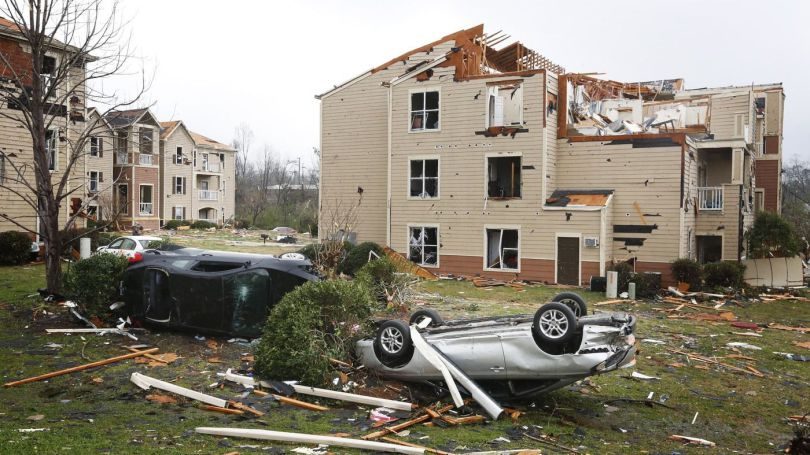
(128, 244)
(424, 245)
(248, 292)
(502, 249)
(424, 111)
(424, 179)
(116, 244)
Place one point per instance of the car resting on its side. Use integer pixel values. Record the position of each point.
(210, 292)
(516, 356)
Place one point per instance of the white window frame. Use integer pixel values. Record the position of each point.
(503, 227)
(53, 152)
(486, 103)
(94, 146)
(489, 155)
(424, 158)
(90, 181)
(174, 212)
(424, 90)
(577, 235)
(140, 201)
(438, 243)
(141, 129)
(178, 155)
(182, 183)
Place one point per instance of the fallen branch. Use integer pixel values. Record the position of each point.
(86, 366)
(701, 358)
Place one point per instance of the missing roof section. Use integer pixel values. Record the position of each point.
(579, 198)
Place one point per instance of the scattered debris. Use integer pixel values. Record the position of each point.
(792, 329)
(102, 331)
(86, 366)
(146, 382)
(691, 440)
(643, 377)
(741, 345)
(700, 358)
(160, 398)
(309, 439)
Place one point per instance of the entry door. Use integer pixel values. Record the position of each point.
(568, 260)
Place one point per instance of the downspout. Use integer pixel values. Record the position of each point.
(388, 196)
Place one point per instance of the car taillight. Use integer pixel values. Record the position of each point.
(137, 257)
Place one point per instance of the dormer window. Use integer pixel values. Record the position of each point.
(425, 110)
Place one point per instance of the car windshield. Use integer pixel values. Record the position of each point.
(150, 243)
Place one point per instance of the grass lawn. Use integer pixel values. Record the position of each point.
(101, 411)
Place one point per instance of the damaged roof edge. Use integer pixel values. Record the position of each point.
(346, 84)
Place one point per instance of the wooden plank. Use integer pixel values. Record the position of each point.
(86, 366)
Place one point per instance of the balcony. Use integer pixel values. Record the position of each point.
(145, 159)
(206, 195)
(146, 208)
(710, 198)
(210, 167)
(121, 158)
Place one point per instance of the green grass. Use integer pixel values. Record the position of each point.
(738, 412)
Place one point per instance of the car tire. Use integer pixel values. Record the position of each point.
(393, 344)
(435, 319)
(555, 323)
(573, 301)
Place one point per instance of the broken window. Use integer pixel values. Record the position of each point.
(95, 146)
(50, 148)
(502, 249)
(505, 106)
(46, 73)
(551, 106)
(178, 156)
(503, 177)
(145, 140)
(425, 111)
(424, 245)
(424, 178)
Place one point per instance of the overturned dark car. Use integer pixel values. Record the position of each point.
(210, 292)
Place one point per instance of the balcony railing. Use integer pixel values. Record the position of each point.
(206, 195)
(145, 159)
(146, 208)
(121, 158)
(210, 167)
(710, 198)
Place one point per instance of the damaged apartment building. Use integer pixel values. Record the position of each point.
(476, 156)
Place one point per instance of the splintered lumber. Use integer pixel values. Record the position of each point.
(691, 440)
(701, 358)
(401, 426)
(148, 356)
(323, 393)
(299, 403)
(208, 407)
(611, 302)
(789, 328)
(301, 438)
(86, 366)
(146, 382)
(409, 266)
(410, 444)
(244, 407)
(464, 420)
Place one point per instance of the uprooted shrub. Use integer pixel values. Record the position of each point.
(724, 274)
(328, 256)
(688, 271)
(315, 322)
(388, 283)
(357, 257)
(93, 282)
(15, 247)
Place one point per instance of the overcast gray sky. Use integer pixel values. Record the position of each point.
(217, 64)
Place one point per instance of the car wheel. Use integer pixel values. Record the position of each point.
(555, 322)
(419, 315)
(393, 344)
(573, 301)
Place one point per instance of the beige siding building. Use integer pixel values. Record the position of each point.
(197, 174)
(491, 160)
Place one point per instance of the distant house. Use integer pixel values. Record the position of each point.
(477, 157)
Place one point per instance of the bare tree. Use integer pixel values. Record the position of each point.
(796, 200)
(242, 140)
(66, 47)
(256, 201)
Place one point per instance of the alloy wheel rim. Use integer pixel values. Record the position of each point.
(553, 324)
(392, 340)
(573, 304)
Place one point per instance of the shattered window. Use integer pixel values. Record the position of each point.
(425, 111)
(503, 177)
(248, 292)
(502, 249)
(424, 178)
(505, 104)
(424, 245)
(145, 140)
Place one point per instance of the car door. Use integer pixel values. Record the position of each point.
(477, 352)
(127, 248)
(114, 246)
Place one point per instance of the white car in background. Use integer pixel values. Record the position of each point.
(131, 246)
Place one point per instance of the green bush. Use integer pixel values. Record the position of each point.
(325, 258)
(174, 224)
(93, 282)
(724, 274)
(202, 224)
(15, 247)
(771, 236)
(315, 322)
(71, 238)
(688, 271)
(357, 257)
